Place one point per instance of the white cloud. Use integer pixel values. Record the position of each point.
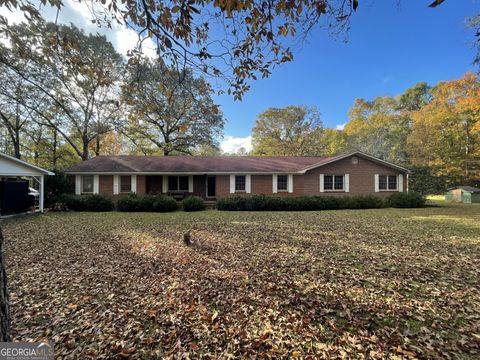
(79, 14)
(340, 126)
(387, 79)
(232, 144)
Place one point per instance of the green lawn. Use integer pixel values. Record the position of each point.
(388, 283)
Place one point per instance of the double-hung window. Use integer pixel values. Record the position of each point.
(125, 184)
(178, 183)
(240, 182)
(387, 182)
(333, 182)
(282, 183)
(87, 184)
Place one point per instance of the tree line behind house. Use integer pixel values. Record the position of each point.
(434, 130)
(66, 96)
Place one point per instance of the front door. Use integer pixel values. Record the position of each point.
(211, 185)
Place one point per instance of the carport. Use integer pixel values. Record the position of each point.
(15, 192)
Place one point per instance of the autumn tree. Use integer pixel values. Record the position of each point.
(173, 110)
(294, 131)
(378, 127)
(446, 132)
(235, 41)
(15, 115)
(232, 40)
(414, 98)
(335, 142)
(76, 75)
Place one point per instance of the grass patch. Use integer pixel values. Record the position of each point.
(380, 283)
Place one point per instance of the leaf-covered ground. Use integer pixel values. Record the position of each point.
(349, 284)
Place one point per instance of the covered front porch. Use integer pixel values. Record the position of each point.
(182, 186)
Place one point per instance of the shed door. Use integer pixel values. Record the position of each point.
(457, 195)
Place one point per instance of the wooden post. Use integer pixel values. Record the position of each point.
(41, 193)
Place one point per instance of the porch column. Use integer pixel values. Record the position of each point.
(41, 194)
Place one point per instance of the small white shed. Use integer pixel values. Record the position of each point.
(11, 167)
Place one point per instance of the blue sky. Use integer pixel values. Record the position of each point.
(389, 49)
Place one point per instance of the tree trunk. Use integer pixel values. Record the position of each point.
(4, 298)
(85, 150)
(54, 149)
(16, 147)
(97, 145)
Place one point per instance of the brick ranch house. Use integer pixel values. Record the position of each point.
(214, 177)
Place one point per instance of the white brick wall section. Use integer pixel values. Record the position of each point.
(190, 183)
(400, 182)
(116, 189)
(165, 184)
(134, 184)
(78, 184)
(248, 184)
(232, 184)
(95, 184)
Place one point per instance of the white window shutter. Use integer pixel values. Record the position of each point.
(115, 185)
(376, 183)
(232, 184)
(134, 184)
(290, 183)
(400, 182)
(165, 184)
(190, 183)
(248, 184)
(347, 183)
(95, 184)
(274, 184)
(322, 189)
(78, 184)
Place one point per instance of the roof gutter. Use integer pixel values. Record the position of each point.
(181, 172)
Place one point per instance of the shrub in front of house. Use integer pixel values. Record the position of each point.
(86, 202)
(364, 202)
(193, 203)
(55, 187)
(163, 203)
(302, 203)
(146, 203)
(406, 200)
(128, 203)
(232, 203)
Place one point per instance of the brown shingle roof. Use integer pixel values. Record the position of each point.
(195, 164)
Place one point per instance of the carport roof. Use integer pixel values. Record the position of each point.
(11, 166)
